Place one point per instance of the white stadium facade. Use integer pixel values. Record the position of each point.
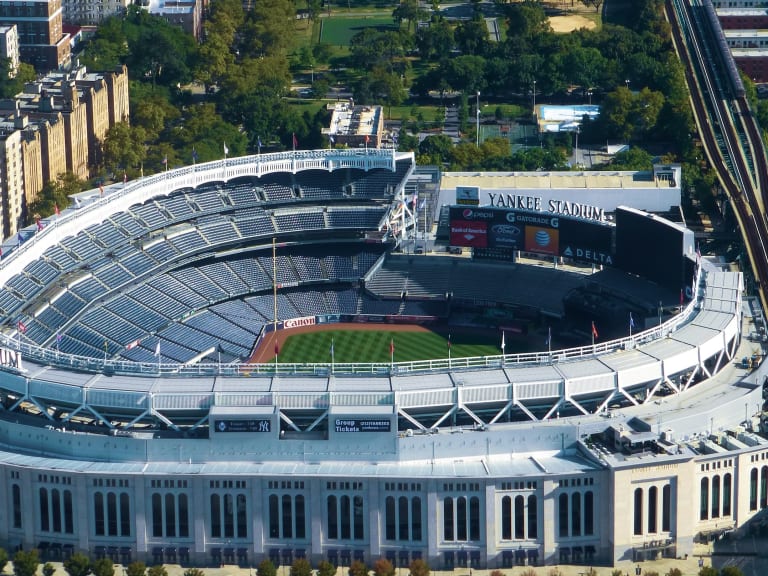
(131, 427)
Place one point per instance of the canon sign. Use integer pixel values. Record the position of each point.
(298, 322)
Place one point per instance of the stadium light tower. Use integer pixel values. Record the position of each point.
(477, 124)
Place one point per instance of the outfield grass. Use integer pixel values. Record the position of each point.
(339, 31)
(373, 346)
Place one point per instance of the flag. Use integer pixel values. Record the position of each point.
(414, 198)
(40, 225)
(449, 341)
(258, 142)
(594, 329)
(503, 343)
(331, 349)
(548, 341)
(157, 349)
(194, 155)
(1, 251)
(367, 139)
(226, 150)
(391, 346)
(631, 322)
(681, 297)
(295, 141)
(22, 327)
(58, 337)
(331, 139)
(21, 239)
(106, 345)
(77, 202)
(165, 160)
(132, 345)
(125, 177)
(101, 190)
(56, 208)
(277, 348)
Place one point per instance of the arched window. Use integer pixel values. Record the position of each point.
(125, 514)
(704, 499)
(333, 519)
(448, 534)
(576, 514)
(287, 516)
(111, 514)
(638, 516)
(474, 518)
(727, 495)
(589, 513)
(506, 518)
(716, 496)
(416, 519)
(274, 516)
(390, 518)
(98, 514)
(170, 515)
(653, 502)
(358, 524)
(183, 516)
(666, 508)
(44, 519)
(402, 518)
(157, 515)
(229, 516)
(69, 519)
(764, 487)
(346, 511)
(753, 489)
(563, 515)
(56, 510)
(301, 517)
(519, 517)
(215, 516)
(16, 498)
(461, 518)
(533, 516)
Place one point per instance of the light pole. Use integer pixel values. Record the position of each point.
(627, 83)
(477, 124)
(534, 98)
(313, 73)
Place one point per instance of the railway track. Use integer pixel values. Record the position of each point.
(729, 132)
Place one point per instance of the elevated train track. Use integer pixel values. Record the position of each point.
(728, 129)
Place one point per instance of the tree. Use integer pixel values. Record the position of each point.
(419, 568)
(594, 3)
(193, 572)
(25, 563)
(55, 194)
(268, 29)
(437, 148)
(48, 569)
(266, 568)
(124, 147)
(408, 10)
(301, 567)
(325, 568)
(136, 569)
(3, 559)
(383, 567)
(102, 567)
(357, 568)
(77, 565)
(10, 83)
(157, 570)
(675, 572)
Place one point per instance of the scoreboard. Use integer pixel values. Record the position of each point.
(530, 231)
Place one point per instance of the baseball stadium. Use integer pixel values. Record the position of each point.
(323, 355)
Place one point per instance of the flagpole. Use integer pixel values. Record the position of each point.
(549, 341)
(593, 332)
(274, 296)
(630, 324)
(332, 355)
(449, 350)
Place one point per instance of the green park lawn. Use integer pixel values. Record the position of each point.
(373, 346)
(338, 31)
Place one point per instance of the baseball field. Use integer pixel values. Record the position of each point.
(375, 343)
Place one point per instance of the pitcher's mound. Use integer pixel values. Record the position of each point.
(562, 24)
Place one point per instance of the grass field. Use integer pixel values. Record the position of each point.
(373, 346)
(339, 31)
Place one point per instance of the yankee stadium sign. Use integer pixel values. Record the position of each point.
(554, 206)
